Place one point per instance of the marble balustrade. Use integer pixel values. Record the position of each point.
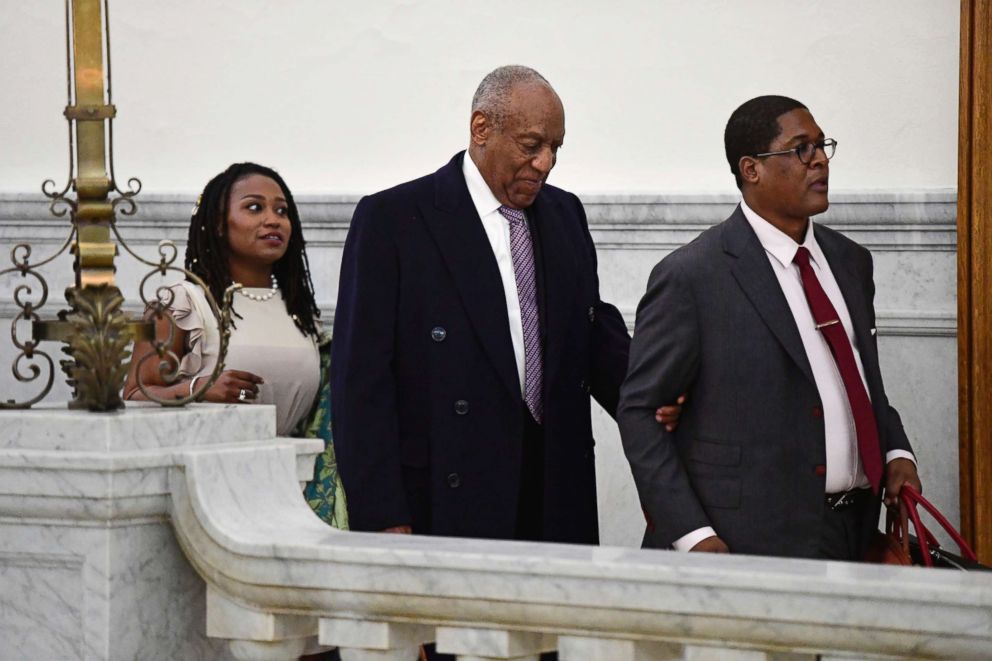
(277, 576)
(911, 234)
(92, 507)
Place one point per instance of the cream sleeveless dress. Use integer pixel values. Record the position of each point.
(264, 341)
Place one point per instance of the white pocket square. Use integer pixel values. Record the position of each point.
(874, 331)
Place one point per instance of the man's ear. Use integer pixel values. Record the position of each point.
(748, 167)
(480, 128)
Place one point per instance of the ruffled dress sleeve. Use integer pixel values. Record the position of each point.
(192, 314)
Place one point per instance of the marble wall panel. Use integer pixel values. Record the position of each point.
(90, 567)
(156, 594)
(121, 591)
(41, 610)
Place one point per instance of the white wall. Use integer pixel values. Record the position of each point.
(357, 96)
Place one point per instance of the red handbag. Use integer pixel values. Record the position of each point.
(896, 546)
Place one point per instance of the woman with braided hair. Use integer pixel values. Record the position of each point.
(246, 229)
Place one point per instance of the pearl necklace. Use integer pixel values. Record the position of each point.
(261, 298)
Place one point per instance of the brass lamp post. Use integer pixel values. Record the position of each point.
(95, 329)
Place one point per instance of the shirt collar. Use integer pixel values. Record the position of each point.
(483, 199)
(777, 243)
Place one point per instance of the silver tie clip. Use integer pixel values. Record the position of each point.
(827, 323)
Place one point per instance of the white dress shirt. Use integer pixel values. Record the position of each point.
(844, 469)
(498, 230)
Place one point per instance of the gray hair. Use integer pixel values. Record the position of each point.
(493, 93)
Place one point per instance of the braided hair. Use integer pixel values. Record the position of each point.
(208, 252)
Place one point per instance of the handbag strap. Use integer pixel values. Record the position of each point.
(912, 498)
(922, 534)
(897, 524)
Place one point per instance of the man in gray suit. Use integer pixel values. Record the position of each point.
(767, 321)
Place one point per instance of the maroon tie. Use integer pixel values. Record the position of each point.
(828, 323)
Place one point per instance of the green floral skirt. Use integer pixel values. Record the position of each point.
(325, 492)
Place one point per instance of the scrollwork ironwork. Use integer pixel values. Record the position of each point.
(125, 205)
(129, 206)
(96, 329)
(20, 257)
(58, 198)
(168, 367)
(157, 308)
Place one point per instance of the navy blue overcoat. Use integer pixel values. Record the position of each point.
(426, 398)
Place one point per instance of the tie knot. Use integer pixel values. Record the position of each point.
(802, 257)
(511, 214)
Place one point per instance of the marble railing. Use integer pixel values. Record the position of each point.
(92, 506)
(279, 579)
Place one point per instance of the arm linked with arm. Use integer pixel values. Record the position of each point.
(610, 341)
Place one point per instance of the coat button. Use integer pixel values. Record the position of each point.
(584, 387)
(817, 412)
(592, 314)
(438, 334)
(454, 480)
(461, 407)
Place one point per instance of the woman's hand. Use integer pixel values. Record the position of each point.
(234, 387)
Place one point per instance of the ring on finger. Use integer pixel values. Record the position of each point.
(243, 395)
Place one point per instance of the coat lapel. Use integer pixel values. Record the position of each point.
(558, 277)
(852, 289)
(457, 230)
(755, 276)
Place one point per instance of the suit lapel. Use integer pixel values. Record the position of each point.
(457, 230)
(852, 289)
(548, 234)
(755, 276)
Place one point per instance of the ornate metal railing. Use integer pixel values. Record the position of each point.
(96, 331)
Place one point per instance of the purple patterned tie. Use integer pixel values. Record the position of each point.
(522, 252)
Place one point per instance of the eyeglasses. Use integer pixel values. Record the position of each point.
(806, 151)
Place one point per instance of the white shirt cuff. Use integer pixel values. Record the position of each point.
(686, 542)
(900, 454)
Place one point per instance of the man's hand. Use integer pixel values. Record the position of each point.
(399, 530)
(899, 472)
(710, 545)
(669, 415)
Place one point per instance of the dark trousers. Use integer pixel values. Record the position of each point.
(844, 529)
(530, 505)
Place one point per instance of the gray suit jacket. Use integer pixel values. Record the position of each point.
(714, 323)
